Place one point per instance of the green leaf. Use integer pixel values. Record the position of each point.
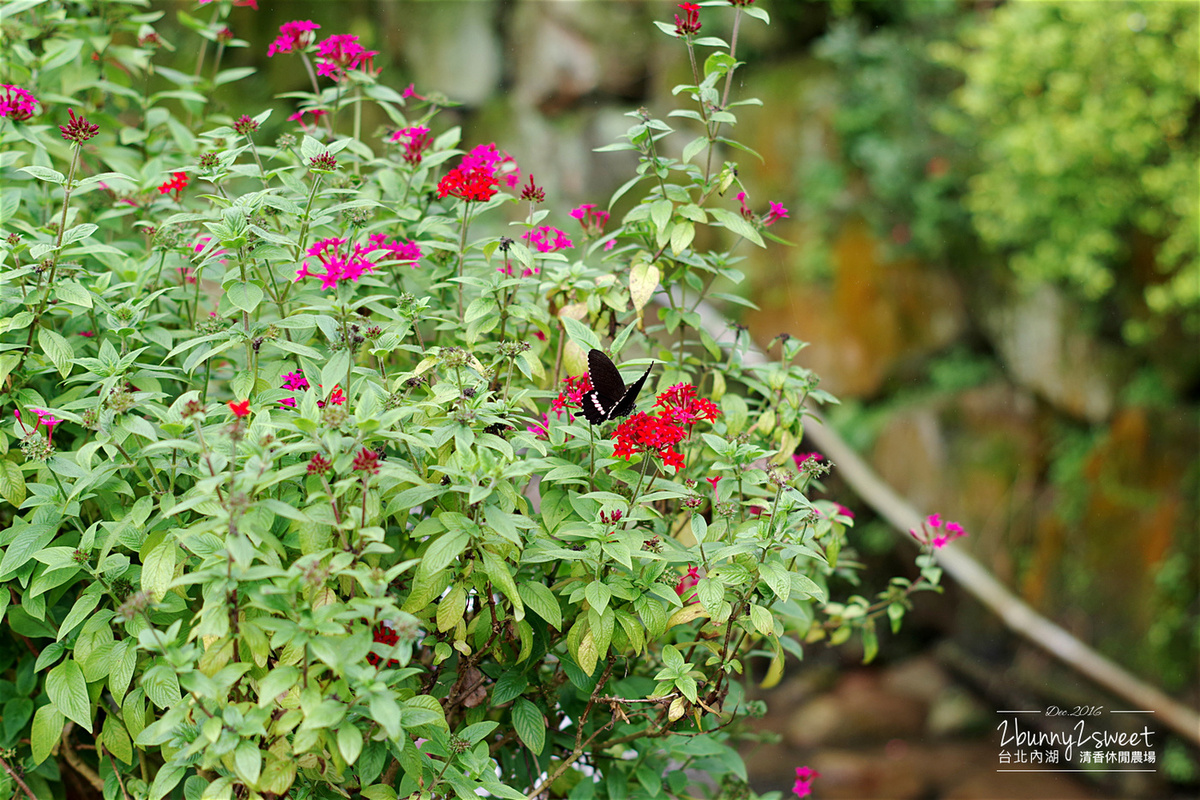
(529, 724)
(543, 602)
(79, 612)
(48, 725)
(443, 551)
(498, 570)
(116, 739)
(509, 686)
(168, 776)
(276, 682)
(12, 483)
(68, 692)
(350, 742)
(46, 174)
(244, 295)
(581, 334)
(57, 349)
(450, 608)
(73, 293)
(158, 569)
(598, 594)
(247, 761)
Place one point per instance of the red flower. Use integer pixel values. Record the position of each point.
(643, 433)
(690, 24)
(474, 184)
(318, 465)
(178, 182)
(384, 634)
(417, 139)
(241, 409)
(572, 396)
(367, 460)
(78, 129)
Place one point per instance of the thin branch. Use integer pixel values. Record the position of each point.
(972, 576)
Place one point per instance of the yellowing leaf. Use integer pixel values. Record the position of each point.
(687, 614)
(643, 281)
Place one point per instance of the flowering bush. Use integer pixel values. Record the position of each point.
(294, 518)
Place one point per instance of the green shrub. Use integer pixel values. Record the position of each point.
(302, 503)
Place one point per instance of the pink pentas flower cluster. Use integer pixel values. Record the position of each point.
(545, 239)
(296, 382)
(591, 219)
(299, 116)
(44, 417)
(340, 263)
(776, 212)
(687, 582)
(16, 103)
(804, 779)
(340, 54)
(399, 251)
(294, 35)
(416, 140)
(936, 533)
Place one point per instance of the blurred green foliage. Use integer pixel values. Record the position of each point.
(1054, 140)
(1083, 119)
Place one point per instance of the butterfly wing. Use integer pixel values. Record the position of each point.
(625, 405)
(606, 378)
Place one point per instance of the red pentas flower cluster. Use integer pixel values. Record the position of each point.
(689, 25)
(470, 185)
(678, 410)
(480, 174)
(176, 185)
(571, 397)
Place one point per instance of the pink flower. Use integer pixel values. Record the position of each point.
(590, 219)
(936, 534)
(546, 239)
(540, 430)
(410, 91)
(806, 462)
(87, 334)
(316, 114)
(294, 35)
(842, 511)
(714, 482)
(340, 264)
(776, 213)
(688, 581)
(406, 251)
(16, 103)
(417, 139)
(804, 777)
(341, 53)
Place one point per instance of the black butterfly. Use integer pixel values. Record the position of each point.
(609, 398)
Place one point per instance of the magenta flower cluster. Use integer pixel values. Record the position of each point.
(936, 533)
(545, 239)
(16, 103)
(349, 264)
